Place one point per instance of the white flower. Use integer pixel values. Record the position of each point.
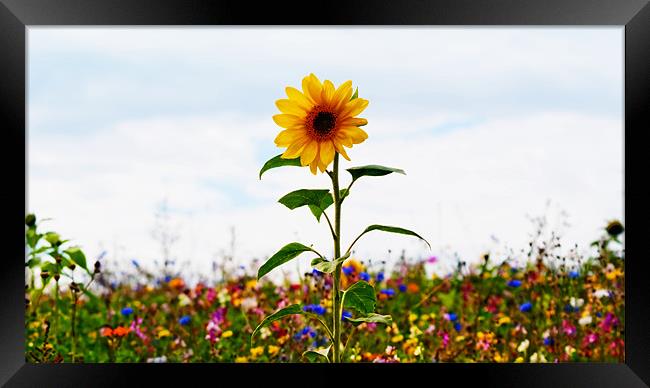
(249, 303)
(157, 360)
(184, 300)
(601, 293)
(537, 358)
(586, 320)
(523, 346)
(576, 302)
(569, 350)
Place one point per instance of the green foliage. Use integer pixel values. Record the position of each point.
(77, 256)
(313, 355)
(372, 317)
(372, 170)
(287, 253)
(289, 310)
(325, 266)
(392, 229)
(361, 297)
(317, 200)
(278, 161)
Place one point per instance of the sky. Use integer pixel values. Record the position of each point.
(492, 126)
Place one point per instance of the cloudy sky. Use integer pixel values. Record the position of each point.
(492, 125)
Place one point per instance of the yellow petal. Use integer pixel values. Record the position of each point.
(327, 93)
(309, 153)
(357, 135)
(343, 138)
(300, 99)
(286, 120)
(288, 136)
(326, 152)
(341, 150)
(290, 107)
(342, 94)
(312, 166)
(354, 107)
(354, 121)
(322, 167)
(312, 88)
(295, 149)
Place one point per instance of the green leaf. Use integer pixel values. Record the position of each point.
(52, 237)
(361, 297)
(277, 161)
(33, 262)
(289, 310)
(325, 266)
(372, 170)
(77, 256)
(343, 193)
(32, 237)
(393, 229)
(285, 254)
(317, 200)
(372, 317)
(313, 355)
(356, 94)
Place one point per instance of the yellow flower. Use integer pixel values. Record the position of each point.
(241, 359)
(412, 317)
(460, 338)
(519, 360)
(503, 320)
(251, 284)
(164, 333)
(319, 121)
(226, 334)
(397, 338)
(258, 351)
(273, 350)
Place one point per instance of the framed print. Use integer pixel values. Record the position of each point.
(264, 192)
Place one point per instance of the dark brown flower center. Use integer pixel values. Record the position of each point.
(323, 123)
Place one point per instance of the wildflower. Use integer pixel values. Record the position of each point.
(574, 275)
(601, 293)
(567, 328)
(576, 302)
(413, 288)
(585, 320)
(248, 304)
(184, 300)
(257, 351)
(106, 331)
(412, 317)
(397, 338)
(135, 263)
(519, 360)
(432, 259)
(120, 331)
(526, 307)
(614, 228)
(364, 276)
(164, 333)
(388, 291)
(514, 283)
(451, 317)
(226, 334)
(402, 287)
(349, 270)
(548, 341)
(135, 327)
(503, 321)
(241, 359)
(273, 350)
(157, 360)
(523, 346)
(457, 326)
(380, 277)
(315, 308)
(185, 320)
(168, 279)
(608, 322)
(126, 311)
(177, 283)
(537, 357)
(589, 339)
(319, 121)
(346, 314)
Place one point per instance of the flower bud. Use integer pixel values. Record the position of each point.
(30, 220)
(614, 228)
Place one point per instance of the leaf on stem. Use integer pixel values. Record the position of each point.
(392, 229)
(372, 170)
(277, 161)
(317, 200)
(289, 310)
(325, 266)
(361, 297)
(288, 252)
(77, 256)
(372, 317)
(313, 355)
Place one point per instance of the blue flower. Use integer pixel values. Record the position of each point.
(402, 287)
(526, 307)
(135, 263)
(306, 330)
(514, 283)
(380, 277)
(312, 334)
(346, 314)
(364, 276)
(316, 272)
(318, 309)
(457, 326)
(548, 341)
(126, 311)
(349, 270)
(574, 275)
(388, 291)
(168, 278)
(185, 320)
(314, 344)
(453, 317)
(307, 308)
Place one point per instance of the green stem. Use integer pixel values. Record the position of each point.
(336, 298)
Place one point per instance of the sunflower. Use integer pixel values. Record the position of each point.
(319, 121)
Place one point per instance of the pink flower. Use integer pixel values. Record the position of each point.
(568, 328)
(432, 259)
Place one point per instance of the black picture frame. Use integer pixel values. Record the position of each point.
(17, 15)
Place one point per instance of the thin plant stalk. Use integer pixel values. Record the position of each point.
(336, 298)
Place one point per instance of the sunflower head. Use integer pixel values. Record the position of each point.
(319, 121)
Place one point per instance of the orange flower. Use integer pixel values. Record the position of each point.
(121, 331)
(177, 283)
(413, 288)
(106, 331)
